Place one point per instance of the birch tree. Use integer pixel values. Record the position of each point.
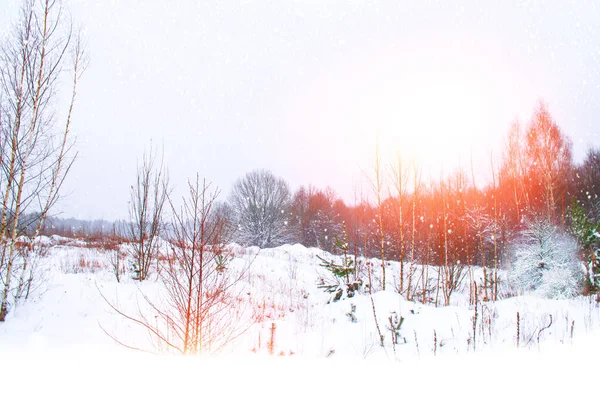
(549, 161)
(36, 148)
(400, 175)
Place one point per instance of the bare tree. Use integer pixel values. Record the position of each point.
(453, 270)
(377, 186)
(587, 182)
(202, 311)
(260, 202)
(146, 206)
(314, 217)
(549, 161)
(400, 178)
(117, 258)
(35, 155)
(494, 234)
(512, 169)
(415, 198)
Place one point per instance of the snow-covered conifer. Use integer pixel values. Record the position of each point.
(545, 260)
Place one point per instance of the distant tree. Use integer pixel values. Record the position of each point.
(494, 231)
(299, 211)
(362, 232)
(260, 203)
(454, 269)
(222, 215)
(511, 177)
(587, 233)
(315, 218)
(377, 185)
(71, 227)
(587, 183)
(400, 176)
(148, 197)
(549, 163)
(546, 261)
(417, 185)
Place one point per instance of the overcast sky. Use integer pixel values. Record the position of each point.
(303, 87)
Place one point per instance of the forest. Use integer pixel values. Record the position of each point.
(536, 191)
(448, 221)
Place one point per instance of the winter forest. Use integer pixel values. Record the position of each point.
(413, 272)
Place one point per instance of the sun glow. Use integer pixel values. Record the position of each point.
(442, 105)
(438, 125)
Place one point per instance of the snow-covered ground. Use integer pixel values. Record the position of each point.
(55, 343)
(556, 372)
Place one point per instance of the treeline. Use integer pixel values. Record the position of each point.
(444, 221)
(448, 221)
(80, 228)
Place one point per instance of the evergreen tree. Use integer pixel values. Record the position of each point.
(587, 233)
(341, 287)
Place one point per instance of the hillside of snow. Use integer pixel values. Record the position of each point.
(293, 334)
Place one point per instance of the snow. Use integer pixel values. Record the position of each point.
(558, 372)
(546, 260)
(57, 340)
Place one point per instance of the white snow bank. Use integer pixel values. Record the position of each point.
(558, 372)
(54, 340)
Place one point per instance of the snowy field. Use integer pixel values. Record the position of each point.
(556, 372)
(57, 343)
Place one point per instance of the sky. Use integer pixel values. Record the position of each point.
(307, 88)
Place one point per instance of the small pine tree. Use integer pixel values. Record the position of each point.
(344, 269)
(587, 233)
(341, 271)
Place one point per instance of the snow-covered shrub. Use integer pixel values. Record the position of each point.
(258, 202)
(545, 260)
